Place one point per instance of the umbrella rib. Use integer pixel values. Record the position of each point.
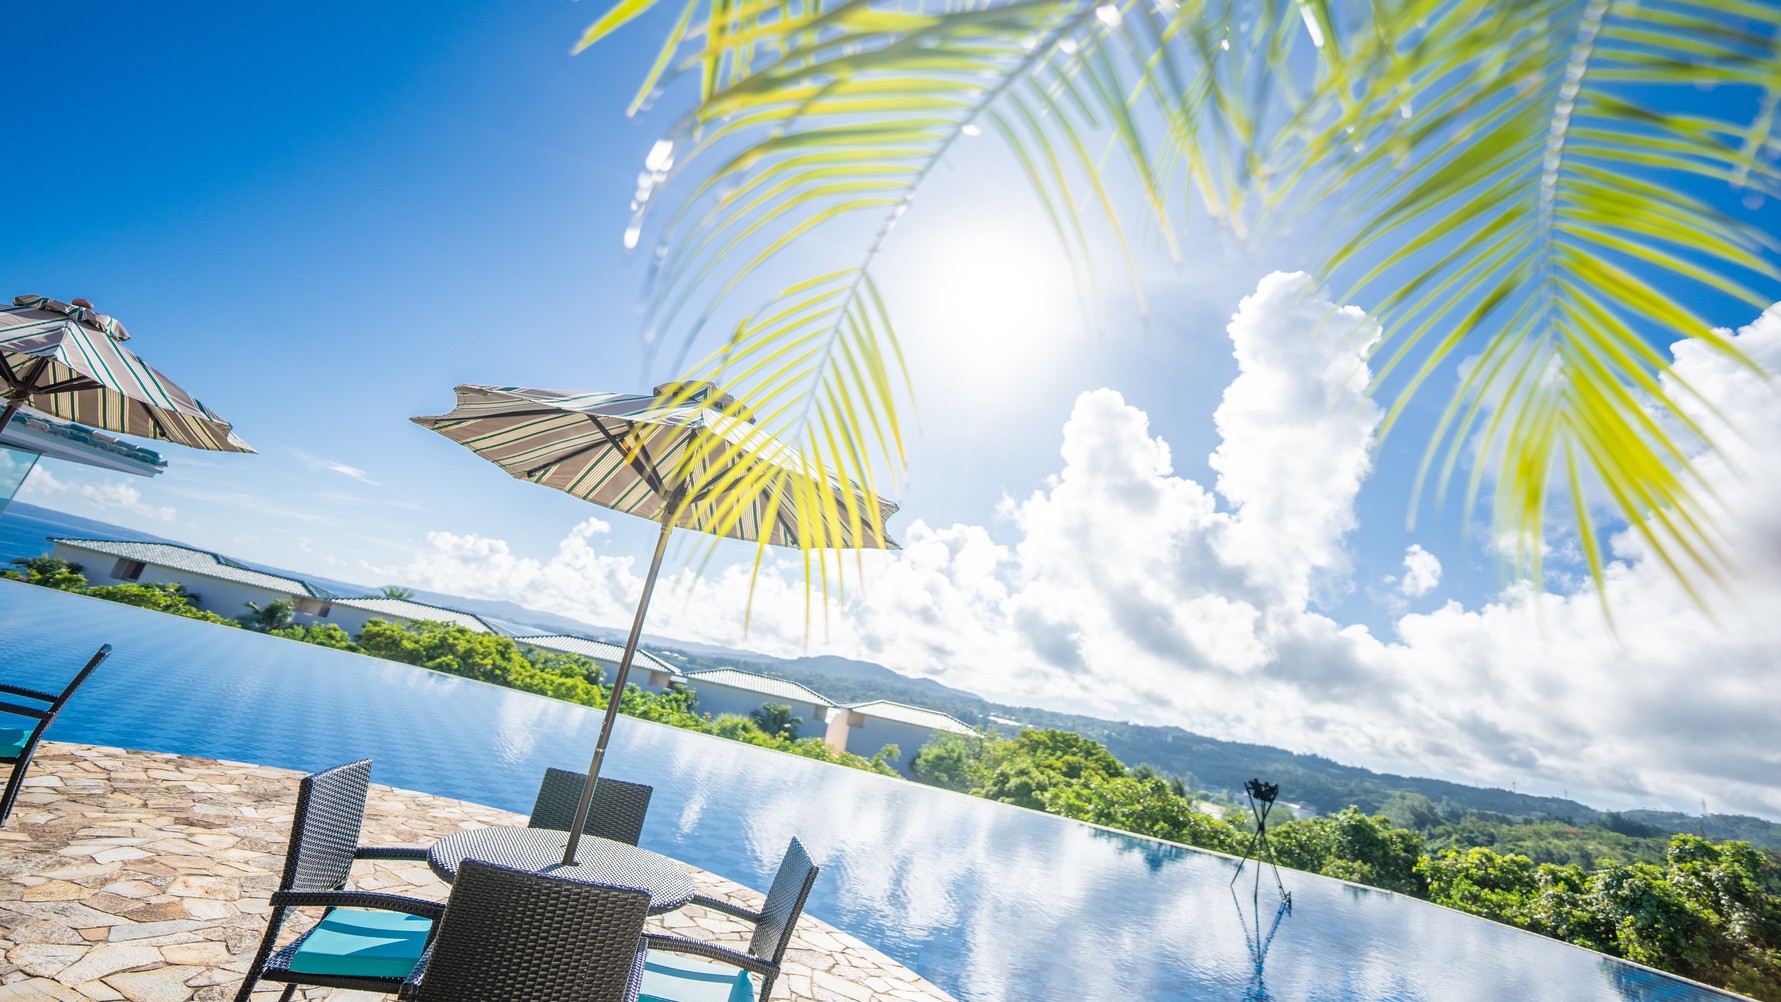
(7, 372)
(636, 459)
(26, 385)
(71, 385)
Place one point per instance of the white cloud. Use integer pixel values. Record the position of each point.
(109, 495)
(1422, 572)
(1133, 593)
(315, 462)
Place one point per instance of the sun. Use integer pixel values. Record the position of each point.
(988, 302)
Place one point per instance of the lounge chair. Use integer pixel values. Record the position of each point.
(365, 941)
(668, 977)
(616, 813)
(517, 936)
(18, 744)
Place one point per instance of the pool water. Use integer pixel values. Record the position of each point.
(988, 901)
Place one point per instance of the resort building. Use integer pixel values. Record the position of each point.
(726, 690)
(647, 670)
(31, 436)
(866, 728)
(351, 614)
(215, 583)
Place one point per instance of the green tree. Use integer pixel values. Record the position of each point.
(274, 615)
(161, 596)
(48, 572)
(396, 592)
(1350, 845)
(777, 719)
(953, 761)
(446, 647)
(319, 634)
(888, 757)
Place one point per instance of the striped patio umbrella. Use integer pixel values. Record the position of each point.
(685, 456)
(67, 359)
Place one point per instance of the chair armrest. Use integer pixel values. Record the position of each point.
(728, 908)
(24, 711)
(735, 958)
(359, 899)
(390, 852)
(411, 985)
(19, 690)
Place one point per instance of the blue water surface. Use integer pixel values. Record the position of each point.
(988, 901)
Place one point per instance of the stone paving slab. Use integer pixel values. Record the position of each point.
(142, 877)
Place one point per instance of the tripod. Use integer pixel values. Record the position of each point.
(1261, 801)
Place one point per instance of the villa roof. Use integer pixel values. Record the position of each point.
(903, 713)
(599, 650)
(194, 561)
(402, 608)
(766, 685)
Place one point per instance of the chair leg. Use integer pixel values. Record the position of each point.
(273, 922)
(290, 991)
(13, 782)
(766, 988)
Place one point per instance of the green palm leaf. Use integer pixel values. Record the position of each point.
(1516, 186)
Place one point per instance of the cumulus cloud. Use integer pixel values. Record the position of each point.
(1422, 572)
(1130, 592)
(110, 495)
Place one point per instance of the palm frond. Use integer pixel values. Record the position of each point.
(1516, 184)
(1541, 211)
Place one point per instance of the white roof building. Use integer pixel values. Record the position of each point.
(726, 690)
(353, 613)
(221, 585)
(868, 728)
(646, 668)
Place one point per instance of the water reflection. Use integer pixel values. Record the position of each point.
(990, 902)
(1258, 941)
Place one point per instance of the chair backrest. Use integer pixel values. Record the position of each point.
(617, 811)
(325, 829)
(517, 936)
(93, 662)
(785, 902)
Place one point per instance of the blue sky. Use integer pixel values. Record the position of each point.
(320, 218)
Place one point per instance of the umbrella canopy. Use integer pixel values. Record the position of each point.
(685, 449)
(68, 360)
(685, 456)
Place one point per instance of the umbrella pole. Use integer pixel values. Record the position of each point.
(618, 689)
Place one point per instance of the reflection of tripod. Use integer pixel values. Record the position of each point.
(1258, 943)
(1261, 801)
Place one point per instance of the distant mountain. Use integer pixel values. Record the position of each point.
(1212, 763)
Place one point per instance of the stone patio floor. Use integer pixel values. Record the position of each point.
(144, 876)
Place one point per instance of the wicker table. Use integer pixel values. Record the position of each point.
(600, 861)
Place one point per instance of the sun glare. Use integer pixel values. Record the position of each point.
(990, 304)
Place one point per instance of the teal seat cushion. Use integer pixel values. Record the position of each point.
(12, 741)
(670, 977)
(361, 943)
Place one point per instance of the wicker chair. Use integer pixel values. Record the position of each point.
(669, 978)
(18, 744)
(517, 936)
(616, 813)
(365, 941)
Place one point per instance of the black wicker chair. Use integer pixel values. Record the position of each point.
(365, 941)
(617, 811)
(679, 979)
(18, 744)
(517, 936)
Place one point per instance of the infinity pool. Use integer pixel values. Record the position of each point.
(988, 901)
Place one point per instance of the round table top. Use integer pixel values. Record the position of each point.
(598, 861)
